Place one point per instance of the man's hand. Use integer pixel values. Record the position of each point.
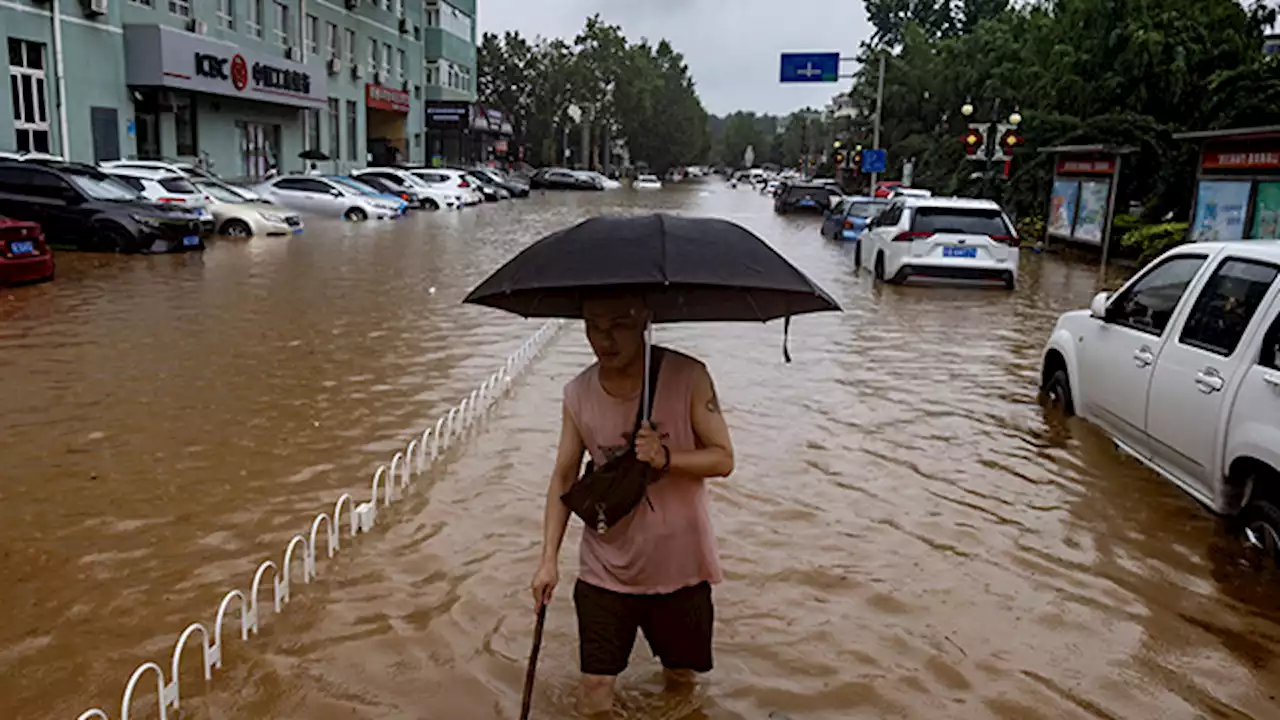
(544, 584)
(649, 447)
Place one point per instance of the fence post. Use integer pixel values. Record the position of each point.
(177, 655)
(245, 625)
(162, 692)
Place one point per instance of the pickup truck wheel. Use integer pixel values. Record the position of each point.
(1057, 392)
(1262, 527)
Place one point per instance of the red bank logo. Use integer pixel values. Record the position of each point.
(239, 72)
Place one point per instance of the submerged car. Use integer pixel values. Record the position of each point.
(80, 206)
(850, 217)
(410, 188)
(234, 217)
(950, 238)
(802, 197)
(24, 256)
(390, 199)
(323, 196)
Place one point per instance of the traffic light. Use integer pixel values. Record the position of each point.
(1010, 140)
(975, 141)
(840, 158)
(857, 160)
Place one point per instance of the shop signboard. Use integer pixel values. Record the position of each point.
(1091, 218)
(444, 115)
(1241, 160)
(1062, 207)
(1085, 165)
(1266, 212)
(385, 98)
(1220, 210)
(161, 56)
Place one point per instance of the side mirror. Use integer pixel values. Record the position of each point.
(1098, 307)
(336, 193)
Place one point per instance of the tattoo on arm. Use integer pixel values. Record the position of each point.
(713, 402)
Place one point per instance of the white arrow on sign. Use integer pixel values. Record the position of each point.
(809, 70)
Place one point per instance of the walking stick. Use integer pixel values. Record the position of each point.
(532, 670)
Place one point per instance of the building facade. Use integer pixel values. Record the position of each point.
(238, 85)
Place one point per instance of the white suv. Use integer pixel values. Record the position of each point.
(447, 179)
(939, 237)
(426, 194)
(181, 168)
(166, 187)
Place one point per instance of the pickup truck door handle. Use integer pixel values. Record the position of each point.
(1143, 356)
(1209, 381)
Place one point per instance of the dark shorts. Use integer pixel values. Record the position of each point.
(676, 625)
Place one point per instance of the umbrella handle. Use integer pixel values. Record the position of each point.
(526, 701)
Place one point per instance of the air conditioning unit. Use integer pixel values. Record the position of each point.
(335, 65)
(356, 71)
(404, 25)
(198, 27)
(96, 7)
(293, 53)
(404, 85)
(378, 78)
(352, 4)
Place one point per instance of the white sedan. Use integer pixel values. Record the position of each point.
(323, 196)
(236, 218)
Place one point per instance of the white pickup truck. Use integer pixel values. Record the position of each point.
(1181, 367)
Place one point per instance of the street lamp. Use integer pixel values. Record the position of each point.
(1015, 118)
(966, 109)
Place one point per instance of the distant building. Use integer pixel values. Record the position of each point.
(1271, 45)
(237, 84)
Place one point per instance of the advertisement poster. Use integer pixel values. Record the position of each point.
(1062, 207)
(1092, 216)
(1266, 212)
(1220, 210)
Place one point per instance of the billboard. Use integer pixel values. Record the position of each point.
(1220, 210)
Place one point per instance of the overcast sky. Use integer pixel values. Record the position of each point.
(732, 46)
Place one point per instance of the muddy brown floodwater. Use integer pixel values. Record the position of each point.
(907, 533)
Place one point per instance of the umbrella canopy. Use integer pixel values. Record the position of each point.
(688, 269)
(313, 155)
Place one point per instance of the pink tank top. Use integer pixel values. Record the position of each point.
(666, 543)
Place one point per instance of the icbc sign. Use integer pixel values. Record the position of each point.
(385, 98)
(265, 77)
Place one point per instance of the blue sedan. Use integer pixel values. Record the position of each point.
(850, 217)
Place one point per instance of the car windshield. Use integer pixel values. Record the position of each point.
(354, 187)
(102, 187)
(863, 209)
(219, 193)
(967, 221)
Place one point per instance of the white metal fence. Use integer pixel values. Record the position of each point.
(418, 455)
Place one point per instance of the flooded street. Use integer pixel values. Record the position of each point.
(907, 534)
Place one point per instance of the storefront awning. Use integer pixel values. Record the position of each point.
(161, 56)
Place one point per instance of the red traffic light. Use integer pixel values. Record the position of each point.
(1011, 139)
(839, 159)
(973, 142)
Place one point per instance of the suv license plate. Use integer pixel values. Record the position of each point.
(191, 240)
(960, 252)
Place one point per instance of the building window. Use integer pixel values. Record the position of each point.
(181, 8)
(144, 3)
(227, 14)
(417, 92)
(255, 18)
(311, 128)
(431, 73)
(311, 35)
(399, 8)
(282, 25)
(184, 123)
(351, 129)
(331, 39)
(349, 46)
(335, 130)
(386, 62)
(449, 18)
(373, 56)
(401, 67)
(28, 93)
(386, 5)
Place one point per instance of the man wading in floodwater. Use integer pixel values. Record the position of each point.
(653, 570)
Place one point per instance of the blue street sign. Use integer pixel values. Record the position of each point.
(130, 128)
(810, 67)
(873, 161)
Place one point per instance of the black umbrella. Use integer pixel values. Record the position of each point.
(313, 155)
(687, 269)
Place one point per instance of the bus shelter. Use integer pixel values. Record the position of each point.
(1237, 195)
(1082, 200)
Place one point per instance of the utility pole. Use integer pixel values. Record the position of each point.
(875, 141)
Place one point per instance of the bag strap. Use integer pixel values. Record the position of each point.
(655, 366)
